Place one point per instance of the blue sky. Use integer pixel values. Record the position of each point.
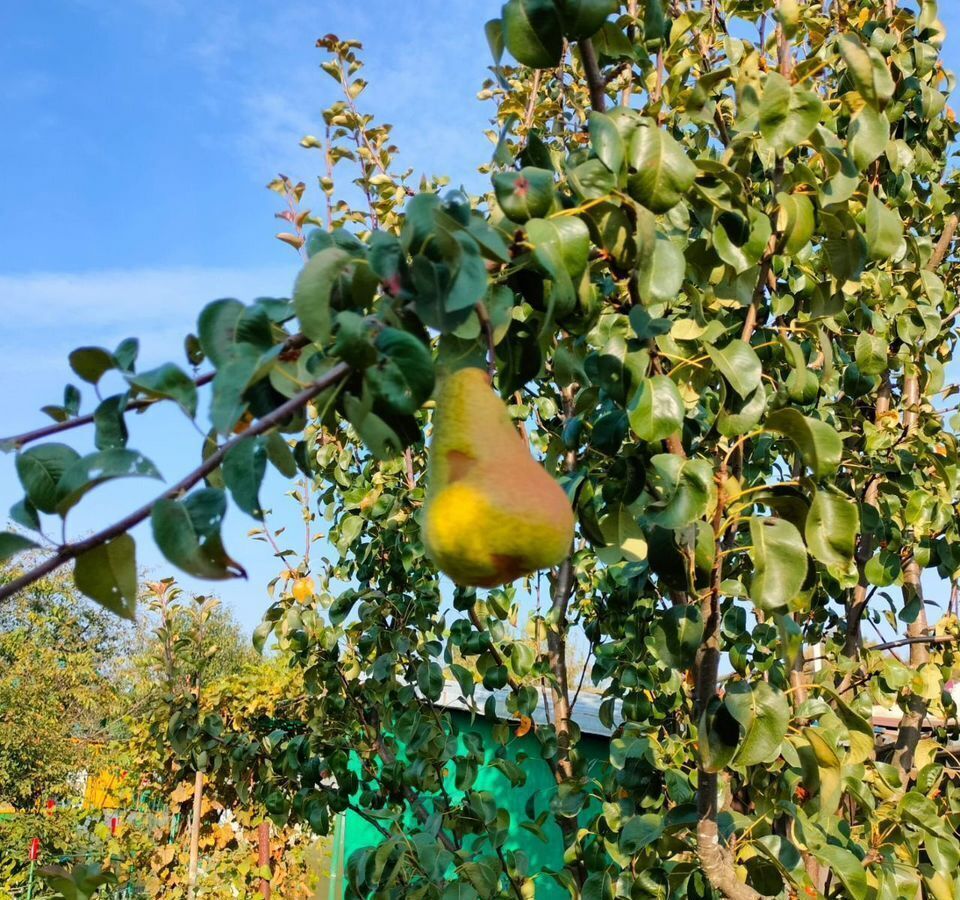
(138, 137)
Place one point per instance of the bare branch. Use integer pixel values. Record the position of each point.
(595, 82)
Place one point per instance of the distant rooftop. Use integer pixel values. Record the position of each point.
(586, 712)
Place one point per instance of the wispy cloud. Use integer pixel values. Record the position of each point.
(57, 312)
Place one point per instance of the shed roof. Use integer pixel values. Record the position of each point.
(586, 710)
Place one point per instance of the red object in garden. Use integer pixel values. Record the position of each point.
(113, 825)
(51, 805)
(34, 849)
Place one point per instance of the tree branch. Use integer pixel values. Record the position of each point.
(294, 342)
(908, 735)
(858, 606)
(595, 82)
(71, 551)
(916, 639)
(715, 860)
(943, 245)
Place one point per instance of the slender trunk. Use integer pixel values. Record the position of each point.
(263, 835)
(909, 734)
(715, 859)
(858, 605)
(195, 836)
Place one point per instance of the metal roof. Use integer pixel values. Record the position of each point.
(586, 711)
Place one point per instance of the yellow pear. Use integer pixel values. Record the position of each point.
(492, 512)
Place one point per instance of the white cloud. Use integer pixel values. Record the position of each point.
(56, 312)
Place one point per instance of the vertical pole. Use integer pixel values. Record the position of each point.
(30, 881)
(195, 836)
(264, 836)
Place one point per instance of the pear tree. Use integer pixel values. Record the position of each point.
(713, 282)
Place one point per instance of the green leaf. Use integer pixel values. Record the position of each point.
(470, 282)
(884, 231)
(108, 574)
(867, 69)
(312, 291)
(867, 136)
(661, 274)
(524, 195)
(522, 658)
(563, 241)
(403, 379)
(788, 115)
(591, 180)
(168, 382)
(606, 141)
(871, 353)
(380, 438)
(229, 385)
(677, 633)
(432, 284)
(217, 327)
(561, 247)
(624, 537)
(763, 714)
(430, 680)
(86, 473)
(739, 365)
(883, 569)
(533, 33)
(244, 466)
(583, 18)
(741, 242)
(11, 544)
(40, 470)
(848, 868)
(779, 560)
(640, 832)
(598, 886)
(663, 171)
(187, 532)
(24, 513)
(818, 443)
(795, 220)
(280, 454)
(110, 428)
(859, 730)
(656, 409)
(684, 488)
(740, 416)
(420, 219)
(831, 531)
(91, 363)
(126, 354)
(719, 736)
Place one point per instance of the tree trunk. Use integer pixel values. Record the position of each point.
(909, 734)
(264, 856)
(195, 836)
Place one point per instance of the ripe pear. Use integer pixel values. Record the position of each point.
(492, 513)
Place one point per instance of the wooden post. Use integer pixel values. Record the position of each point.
(264, 836)
(195, 836)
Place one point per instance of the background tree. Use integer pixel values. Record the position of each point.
(721, 312)
(60, 656)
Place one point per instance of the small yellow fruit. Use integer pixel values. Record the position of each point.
(303, 589)
(492, 513)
